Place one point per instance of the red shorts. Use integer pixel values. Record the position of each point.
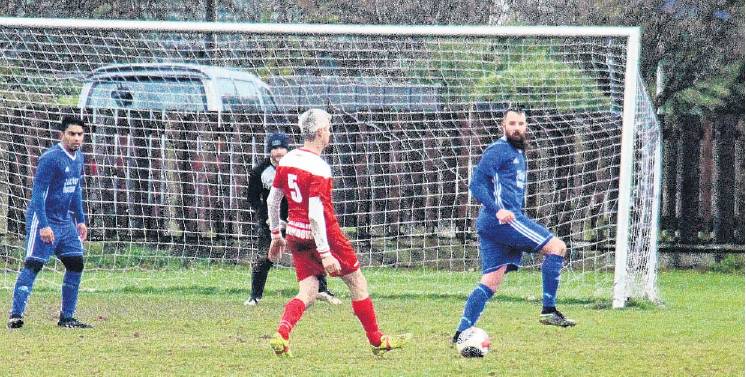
(308, 263)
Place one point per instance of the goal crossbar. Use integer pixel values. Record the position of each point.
(301, 29)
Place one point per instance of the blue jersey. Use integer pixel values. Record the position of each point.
(499, 180)
(57, 188)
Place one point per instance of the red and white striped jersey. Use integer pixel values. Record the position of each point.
(301, 175)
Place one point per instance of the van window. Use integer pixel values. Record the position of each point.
(246, 97)
(148, 93)
(225, 88)
(269, 101)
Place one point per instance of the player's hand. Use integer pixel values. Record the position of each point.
(505, 217)
(331, 265)
(82, 231)
(46, 235)
(276, 248)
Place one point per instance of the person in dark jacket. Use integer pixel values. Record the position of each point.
(260, 181)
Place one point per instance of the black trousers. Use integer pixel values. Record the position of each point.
(262, 264)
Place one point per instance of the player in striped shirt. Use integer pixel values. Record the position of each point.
(505, 232)
(314, 237)
(55, 223)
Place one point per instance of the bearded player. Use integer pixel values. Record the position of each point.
(505, 232)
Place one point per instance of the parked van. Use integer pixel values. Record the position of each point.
(175, 87)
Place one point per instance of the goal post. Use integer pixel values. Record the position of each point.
(179, 113)
(626, 169)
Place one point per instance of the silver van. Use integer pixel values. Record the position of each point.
(175, 87)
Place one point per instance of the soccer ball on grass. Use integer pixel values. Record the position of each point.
(473, 342)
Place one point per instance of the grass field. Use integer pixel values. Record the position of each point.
(194, 323)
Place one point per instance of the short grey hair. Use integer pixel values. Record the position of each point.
(310, 122)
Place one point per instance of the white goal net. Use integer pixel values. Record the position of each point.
(178, 113)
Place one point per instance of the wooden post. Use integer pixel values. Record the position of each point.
(706, 179)
(739, 182)
(687, 178)
(724, 177)
(671, 136)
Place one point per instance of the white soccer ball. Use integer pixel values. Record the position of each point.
(473, 342)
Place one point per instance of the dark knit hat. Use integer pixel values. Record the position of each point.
(277, 140)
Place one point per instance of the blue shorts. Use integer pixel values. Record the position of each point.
(501, 244)
(66, 241)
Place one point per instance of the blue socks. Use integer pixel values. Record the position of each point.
(474, 306)
(550, 275)
(22, 291)
(70, 285)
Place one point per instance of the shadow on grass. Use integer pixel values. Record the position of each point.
(630, 304)
(197, 290)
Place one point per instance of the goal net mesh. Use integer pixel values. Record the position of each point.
(176, 120)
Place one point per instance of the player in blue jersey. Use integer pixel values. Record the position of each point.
(55, 224)
(505, 232)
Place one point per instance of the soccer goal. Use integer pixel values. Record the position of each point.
(178, 114)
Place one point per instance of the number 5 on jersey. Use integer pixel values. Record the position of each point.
(293, 184)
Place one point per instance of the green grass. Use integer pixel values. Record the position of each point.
(194, 323)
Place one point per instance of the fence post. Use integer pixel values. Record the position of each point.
(724, 177)
(687, 177)
(739, 182)
(706, 172)
(671, 136)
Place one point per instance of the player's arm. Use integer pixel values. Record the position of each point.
(76, 206)
(42, 179)
(254, 190)
(318, 229)
(316, 187)
(318, 226)
(484, 181)
(274, 200)
(277, 246)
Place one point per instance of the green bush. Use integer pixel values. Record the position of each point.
(730, 264)
(544, 83)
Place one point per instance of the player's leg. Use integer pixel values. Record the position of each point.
(477, 300)
(530, 235)
(70, 286)
(70, 253)
(325, 294)
(259, 274)
(496, 260)
(37, 254)
(554, 255)
(261, 268)
(307, 267)
(362, 306)
(297, 305)
(308, 288)
(22, 291)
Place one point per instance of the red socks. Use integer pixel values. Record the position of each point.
(293, 311)
(364, 311)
